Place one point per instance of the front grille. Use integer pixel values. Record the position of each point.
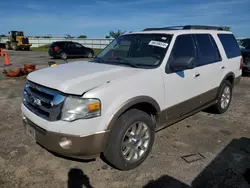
(44, 102)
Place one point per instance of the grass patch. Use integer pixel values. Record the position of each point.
(1, 76)
(97, 51)
(45, 48)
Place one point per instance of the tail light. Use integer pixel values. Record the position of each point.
(56, 48)
(241, 63)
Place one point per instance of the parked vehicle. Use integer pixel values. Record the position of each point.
(65, 49)
(2, 45)
(140, 83)
(245, 51)
(17, 41)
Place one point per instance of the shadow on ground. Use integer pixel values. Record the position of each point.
(231, 168)
(77, 179)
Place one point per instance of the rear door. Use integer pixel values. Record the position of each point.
(209, 67)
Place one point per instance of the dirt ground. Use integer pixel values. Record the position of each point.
(221, 144)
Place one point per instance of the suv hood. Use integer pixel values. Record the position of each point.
(79, 77)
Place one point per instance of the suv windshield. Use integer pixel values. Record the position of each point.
(135, 50)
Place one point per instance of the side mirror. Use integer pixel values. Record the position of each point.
(182, 63)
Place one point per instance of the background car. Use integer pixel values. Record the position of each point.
(245, 52)
(65, 49)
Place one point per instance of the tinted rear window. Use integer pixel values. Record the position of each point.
(230, 45)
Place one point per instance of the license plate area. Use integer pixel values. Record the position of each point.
(31, 132)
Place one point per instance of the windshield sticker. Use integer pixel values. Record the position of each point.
(157, 43)
(163, 38)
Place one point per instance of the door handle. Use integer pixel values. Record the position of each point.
(197, 75)
(222, 67)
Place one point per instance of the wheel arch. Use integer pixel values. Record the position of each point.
(229, 77)
(144, 103)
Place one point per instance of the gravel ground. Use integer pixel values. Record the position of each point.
(221, 144)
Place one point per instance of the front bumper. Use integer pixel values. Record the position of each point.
(77, 147)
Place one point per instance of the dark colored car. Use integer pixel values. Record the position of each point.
(2, 45)
(245, 52)
(65, 49)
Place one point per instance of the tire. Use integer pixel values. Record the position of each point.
(63, 55)
(90, 55)
(15, 47)
(219, 108)
(7, 46)
(117, 153)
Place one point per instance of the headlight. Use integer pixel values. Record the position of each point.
(79, 108)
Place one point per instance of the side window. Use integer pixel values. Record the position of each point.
(183, 49)
(78, 45)
(230, 45)
(70, 45)
(207, 49)
(64, 45)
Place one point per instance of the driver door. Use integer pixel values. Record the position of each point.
(181, 89)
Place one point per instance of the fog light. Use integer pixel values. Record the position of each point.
(65, 143)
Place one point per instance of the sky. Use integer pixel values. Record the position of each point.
(96, 18)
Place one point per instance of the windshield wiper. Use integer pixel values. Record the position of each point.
(126, 62)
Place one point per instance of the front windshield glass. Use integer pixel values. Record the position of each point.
(137, 50)
(19, 33)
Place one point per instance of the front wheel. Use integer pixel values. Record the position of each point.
(7, 46)
(131, 140)
(90, 55)
(15, 47)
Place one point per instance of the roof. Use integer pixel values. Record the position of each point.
(185, 29)
(172, 32)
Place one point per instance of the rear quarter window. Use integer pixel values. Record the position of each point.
(230, 45)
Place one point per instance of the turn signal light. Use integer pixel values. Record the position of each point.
(94, 107)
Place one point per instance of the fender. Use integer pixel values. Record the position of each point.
(130, 103)
(226, 78)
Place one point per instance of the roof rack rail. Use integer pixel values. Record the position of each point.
(164, 28)
(206, 27)
(186, 27)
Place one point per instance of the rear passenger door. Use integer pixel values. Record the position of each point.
(209, 67)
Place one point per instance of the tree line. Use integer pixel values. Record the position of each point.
(112, 34)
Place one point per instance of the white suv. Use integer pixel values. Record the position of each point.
(140, 83)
